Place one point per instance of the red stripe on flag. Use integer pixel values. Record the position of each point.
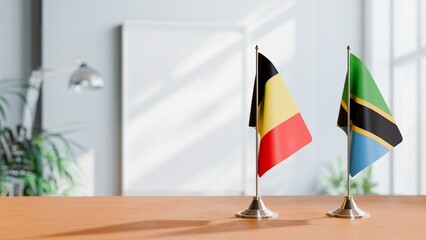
(281, 142)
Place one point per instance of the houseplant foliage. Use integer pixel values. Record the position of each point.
(334, 180)
(32, 166)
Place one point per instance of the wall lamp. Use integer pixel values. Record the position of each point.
(82, 77)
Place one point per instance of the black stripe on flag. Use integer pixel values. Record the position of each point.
(371, 121)
(266, 71)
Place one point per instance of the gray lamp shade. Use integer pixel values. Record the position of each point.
(86, 77)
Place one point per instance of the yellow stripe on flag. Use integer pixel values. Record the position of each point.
(277, 105)
(372, 107)
(372, 136)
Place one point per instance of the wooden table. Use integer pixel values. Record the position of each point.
(300, 217)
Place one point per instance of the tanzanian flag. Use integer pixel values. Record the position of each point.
(281, 127)
(373, 129)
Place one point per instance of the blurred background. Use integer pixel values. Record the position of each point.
(172, 116)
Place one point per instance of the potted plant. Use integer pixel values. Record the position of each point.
(334, 181)
(32, 166)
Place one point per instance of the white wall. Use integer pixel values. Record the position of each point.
(306, 40)
(15, 47)
(340, 23)
(395, 50)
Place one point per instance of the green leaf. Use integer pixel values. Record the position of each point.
(49, 160)
(30, 182)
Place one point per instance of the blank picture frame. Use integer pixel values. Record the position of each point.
(184, 116)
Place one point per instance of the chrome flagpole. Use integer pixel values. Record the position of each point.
(257, 208)
(348, 209)
(257, 121)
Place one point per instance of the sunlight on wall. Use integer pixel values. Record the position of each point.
(214, 45)
(266, 13)
(189, 127)
(285, 37)
(192, 102)
(188, 91)
(396, 50)
(405, 110)
(405, 22)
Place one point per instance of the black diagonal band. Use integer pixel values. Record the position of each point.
(371, 121)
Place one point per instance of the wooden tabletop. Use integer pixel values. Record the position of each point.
(300, 217)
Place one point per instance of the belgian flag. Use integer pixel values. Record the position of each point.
(281, 127)
(373, 129)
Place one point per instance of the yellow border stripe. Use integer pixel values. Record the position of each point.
(372, 107)
(364, 132)
(344, 106)
(372, 136)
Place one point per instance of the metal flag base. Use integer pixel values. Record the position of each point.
(257, 209)
(348, 209)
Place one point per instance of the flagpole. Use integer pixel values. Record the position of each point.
(257, 121)
(257, 208)
(348, 208)
(348, 127)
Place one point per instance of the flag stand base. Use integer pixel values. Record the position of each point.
(348, 209)
(257, 209)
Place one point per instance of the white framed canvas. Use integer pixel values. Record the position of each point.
(184, 117)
